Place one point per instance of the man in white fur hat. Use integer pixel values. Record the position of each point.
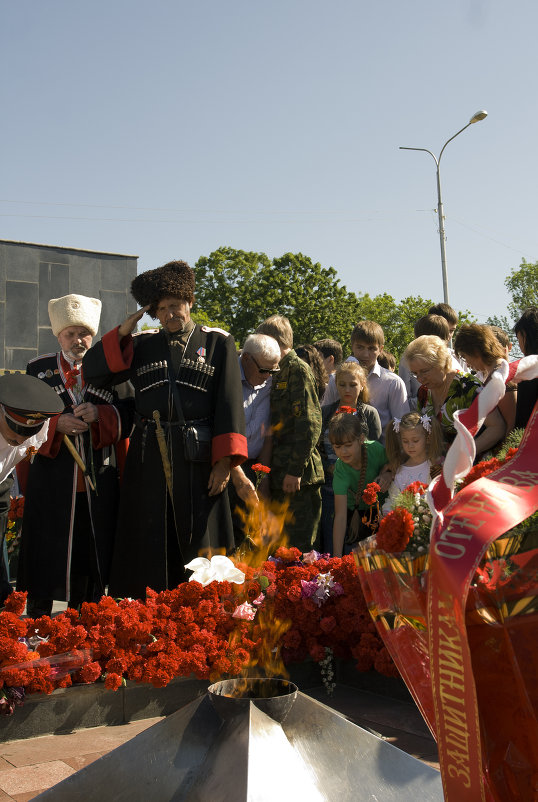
(72, 485)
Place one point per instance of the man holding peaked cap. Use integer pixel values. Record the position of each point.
(25, 406)
(72, 484)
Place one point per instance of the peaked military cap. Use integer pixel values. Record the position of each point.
(27, 402)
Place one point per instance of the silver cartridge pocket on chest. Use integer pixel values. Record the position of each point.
(151, 375)
(97, 395)
(195, 373)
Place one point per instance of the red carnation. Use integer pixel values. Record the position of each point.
(395, 530)
(294, 593)
(89, 673)
(327, 624)
(259, 468)
(16, 602)
(71, 378)
(369, 495)
(416, 487)
(288, 555)
(346, 410)
(485, 467)
(113, 681)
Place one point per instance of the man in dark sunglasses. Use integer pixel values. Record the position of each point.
(258, 364)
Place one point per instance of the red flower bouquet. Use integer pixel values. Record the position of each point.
(290, 608)
(395, 530)
(460, 619)
(369, 494)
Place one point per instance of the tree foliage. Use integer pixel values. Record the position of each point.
(503, 323)
(227, 289)
(243, 288)
(522, 284)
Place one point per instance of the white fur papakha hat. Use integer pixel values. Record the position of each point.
(74, 310)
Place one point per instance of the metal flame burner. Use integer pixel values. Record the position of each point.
(253, 748)
(232, 697)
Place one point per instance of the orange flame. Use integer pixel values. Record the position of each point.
(264, 524)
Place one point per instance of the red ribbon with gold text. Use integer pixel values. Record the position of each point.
(478, 515)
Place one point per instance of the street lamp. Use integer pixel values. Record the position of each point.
(480, 115)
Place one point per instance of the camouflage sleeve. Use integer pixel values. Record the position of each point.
(306, 417)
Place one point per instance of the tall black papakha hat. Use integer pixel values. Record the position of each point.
(174, 279)
(27, 402)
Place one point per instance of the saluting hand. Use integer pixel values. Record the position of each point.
(129, 324)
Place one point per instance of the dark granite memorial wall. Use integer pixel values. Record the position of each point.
(32, 274)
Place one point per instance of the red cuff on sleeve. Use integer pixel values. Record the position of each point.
(229, 445)
(118, 355)
(106, 431)
(54, 440)
(23, 469)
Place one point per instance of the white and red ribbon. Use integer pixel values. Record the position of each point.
(462, 531)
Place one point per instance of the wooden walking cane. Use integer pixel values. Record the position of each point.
(78, 459)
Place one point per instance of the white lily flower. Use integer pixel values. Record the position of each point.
(218, 569)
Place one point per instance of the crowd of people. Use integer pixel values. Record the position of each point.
(149, 461)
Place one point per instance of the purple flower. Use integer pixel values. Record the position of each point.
(308, 589)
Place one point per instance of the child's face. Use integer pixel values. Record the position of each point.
(366, 353)
(349, 387)
(414, 442)
(349, 451)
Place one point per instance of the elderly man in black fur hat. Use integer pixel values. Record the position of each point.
(189, 433)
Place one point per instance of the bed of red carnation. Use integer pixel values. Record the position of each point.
(190, 630)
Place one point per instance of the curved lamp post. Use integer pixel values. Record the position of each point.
(480, 115)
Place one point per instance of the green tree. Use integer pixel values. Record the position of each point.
(242, 288)
(310, 295)
(522, 284)
(503, 323)
(227, 284)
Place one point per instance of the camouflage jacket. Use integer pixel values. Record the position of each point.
(296, 423)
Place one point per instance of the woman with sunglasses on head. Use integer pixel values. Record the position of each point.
(444, 390)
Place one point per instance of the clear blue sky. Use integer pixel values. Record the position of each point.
(166, 129)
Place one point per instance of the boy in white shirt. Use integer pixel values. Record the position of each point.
(387, 390)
